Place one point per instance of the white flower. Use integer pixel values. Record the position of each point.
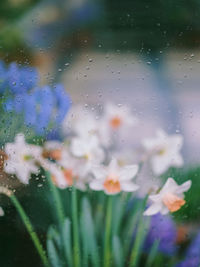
(170, 198)
(74, 169)
(165, 150)
(21, 159)
(118, 116)
(53, 150)
(113, 178)
(57, 174)
(115, 120)
(67, 170)
(87, 148)
(80, 121)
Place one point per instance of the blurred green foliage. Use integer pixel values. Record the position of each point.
(153, 25)
(11, 10)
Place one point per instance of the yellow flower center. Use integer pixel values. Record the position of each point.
(161, 152)
(172, 202)
(27, 157)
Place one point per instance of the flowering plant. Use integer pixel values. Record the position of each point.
(115, 196)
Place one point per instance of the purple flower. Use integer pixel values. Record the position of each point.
(162, 228)
(192, 258)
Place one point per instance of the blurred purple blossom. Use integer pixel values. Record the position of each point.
(192, 258)
(163, 229)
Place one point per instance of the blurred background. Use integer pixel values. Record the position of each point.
(137, 52)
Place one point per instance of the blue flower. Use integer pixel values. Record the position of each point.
(62, 102)
(20, 80)
(43, 108)
(3, 76)
(192, 258)
(162, 228)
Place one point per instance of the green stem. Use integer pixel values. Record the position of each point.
(107, 240)
(30, 230)
(57, 200)
(75, 228)
(140, 236)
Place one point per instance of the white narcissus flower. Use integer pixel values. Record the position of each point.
(169, 199)
(57, 175)
(74, 169)
(113, 179)
(115, 120)
(53, 150)
(21, 158)
(80, 121)
(117, 116)
(67, 170)
(87, 148)
(165, 151)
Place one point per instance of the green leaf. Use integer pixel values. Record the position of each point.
(118, 212)
(141, 232)
(54, 235)
(89, 233)
(67, 243)
(152, 253)
(117, 251)
(52, 254)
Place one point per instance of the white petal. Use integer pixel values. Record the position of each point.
(1, 212)
(99, 172)
(164, 210)
(160, 164)
(176, 141)
(19, 138)
(128, 172)
(113, 167)
(177, 160)
(155, 198)
(60, 180)
(169, 186)
(153, 209)
(184, 187)
(129, 187)
(98, 155)
(161, 134)
(96, 185)
(78, 147)
(23, 175)
(9, 167)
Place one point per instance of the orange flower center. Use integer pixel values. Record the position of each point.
(55, 154)
(115, 122)
(112, 185)
(68, 176)
(172, 202)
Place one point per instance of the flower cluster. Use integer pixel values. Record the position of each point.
(87, 157)
(42, 107)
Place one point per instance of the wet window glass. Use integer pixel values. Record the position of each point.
(99, 133)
